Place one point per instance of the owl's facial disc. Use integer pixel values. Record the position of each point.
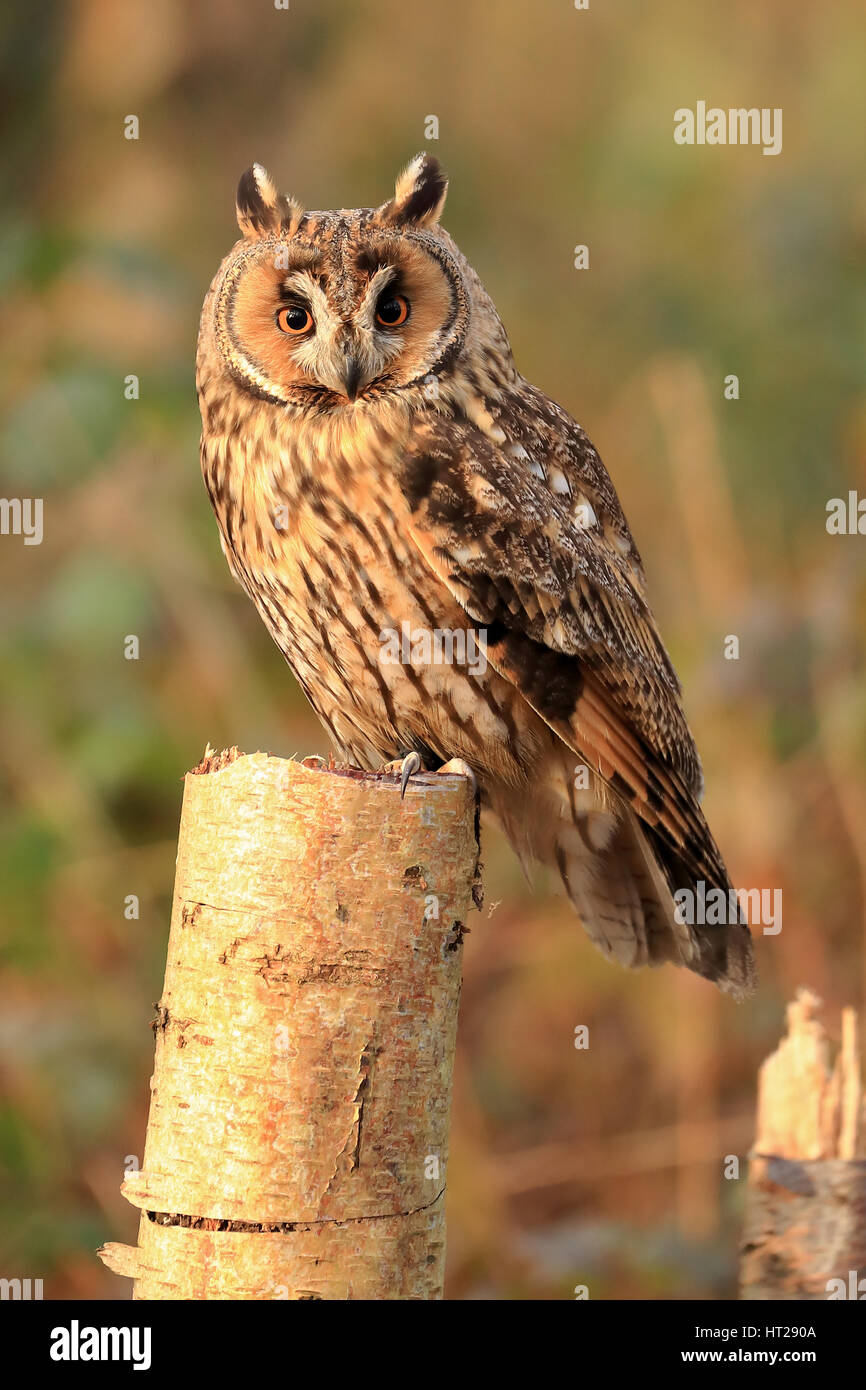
(304, 325)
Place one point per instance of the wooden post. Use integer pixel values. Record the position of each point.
(297, 1145)
(805, 1229)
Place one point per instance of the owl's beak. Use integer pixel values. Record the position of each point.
(352, 377)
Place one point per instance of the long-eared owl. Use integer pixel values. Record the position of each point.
(438, 551)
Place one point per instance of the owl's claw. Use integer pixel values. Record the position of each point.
(411, 764)
(456, 767)
(407, 767)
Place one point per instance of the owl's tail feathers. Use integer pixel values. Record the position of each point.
(623, 894)
(719, 941)
(621, 879)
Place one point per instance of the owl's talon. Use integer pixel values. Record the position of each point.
(456, 767)
(411, 764)
(407, 767)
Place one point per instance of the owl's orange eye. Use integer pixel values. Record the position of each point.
(392, 310)
(294, 319)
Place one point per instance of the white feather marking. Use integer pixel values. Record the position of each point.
(584, 514)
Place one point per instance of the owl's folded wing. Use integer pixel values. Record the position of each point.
(529, 536)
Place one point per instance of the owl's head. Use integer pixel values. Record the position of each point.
(328, 310)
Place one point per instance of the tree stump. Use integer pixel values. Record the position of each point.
(805, 1229)
(297, 1145)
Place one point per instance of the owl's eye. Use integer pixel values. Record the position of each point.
(294, 319)
(392, 310)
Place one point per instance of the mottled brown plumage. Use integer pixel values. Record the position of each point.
(377, 465)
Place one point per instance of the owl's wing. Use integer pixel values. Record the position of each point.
(528, 534)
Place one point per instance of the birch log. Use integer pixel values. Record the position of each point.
(297, 1145)
(805, 1229)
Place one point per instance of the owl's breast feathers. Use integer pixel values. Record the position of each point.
(316, 529)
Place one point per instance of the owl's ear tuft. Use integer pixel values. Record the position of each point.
(261, 210)
(419, 195)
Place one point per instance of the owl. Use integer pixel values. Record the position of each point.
(439, 553)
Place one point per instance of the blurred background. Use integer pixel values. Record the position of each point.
(601, 1167)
